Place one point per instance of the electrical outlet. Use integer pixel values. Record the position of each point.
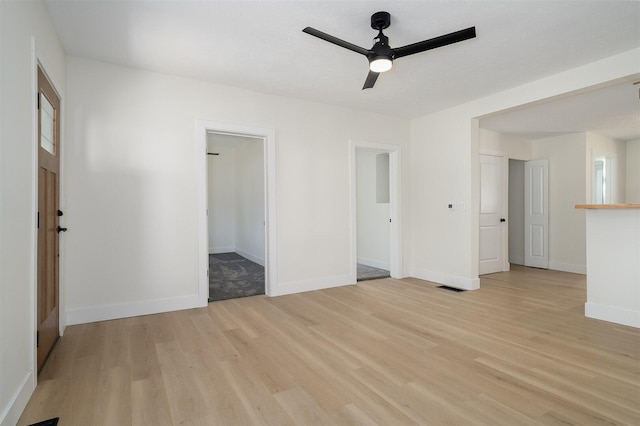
(462, 206)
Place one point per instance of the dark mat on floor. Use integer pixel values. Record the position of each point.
(370, 273)
(50, 422)
(232, 276)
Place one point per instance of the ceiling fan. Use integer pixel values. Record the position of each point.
(381, 55)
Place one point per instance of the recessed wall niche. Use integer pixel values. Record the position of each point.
(382, 178)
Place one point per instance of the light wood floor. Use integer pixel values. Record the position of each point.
(388, 352)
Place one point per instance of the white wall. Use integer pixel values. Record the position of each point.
(567, 187)
(616, 153)
(372, 217)
(440, 165)
(633, 171)
(250, 223)
(221, 197)
(444, 167)
(509, 146)
(19, 22)
(613, 250)
(132, 171)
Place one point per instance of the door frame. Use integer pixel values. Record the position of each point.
(395, 230)
(269, 148)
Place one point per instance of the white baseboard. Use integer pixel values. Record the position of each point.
(12, 412)
(568, 267)
(463, 283)
(218, 250)
(612, 314)
(308, 285)
(231, 249)
(251, 257)
(134, 309)
(374, 263)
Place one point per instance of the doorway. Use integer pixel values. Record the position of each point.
(268, 189)
(375, 211)
(48, 288)
(236, 222)
(516, 212)
(373, 214)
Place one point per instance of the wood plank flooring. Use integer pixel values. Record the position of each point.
(519, 351)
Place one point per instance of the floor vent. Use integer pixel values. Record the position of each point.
(455, 290)
(50, 422)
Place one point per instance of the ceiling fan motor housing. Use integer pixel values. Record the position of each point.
(381, 49)
(380, 20)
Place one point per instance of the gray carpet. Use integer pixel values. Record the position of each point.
(370, 273)
(232, 276)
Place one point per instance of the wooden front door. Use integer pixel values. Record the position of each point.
(47, 221)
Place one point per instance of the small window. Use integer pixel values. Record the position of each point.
(47, 125)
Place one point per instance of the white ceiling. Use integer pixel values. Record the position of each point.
(259, 45)
(612, 111)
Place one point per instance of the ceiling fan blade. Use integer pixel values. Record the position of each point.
(336, 41)
(435, 42)
(371, 80)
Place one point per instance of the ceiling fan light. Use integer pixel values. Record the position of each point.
(380, 64)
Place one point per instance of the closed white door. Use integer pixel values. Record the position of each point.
(491, 215)
(536, 213)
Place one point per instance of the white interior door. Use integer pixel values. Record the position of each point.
(536, 213)
(491, 214)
